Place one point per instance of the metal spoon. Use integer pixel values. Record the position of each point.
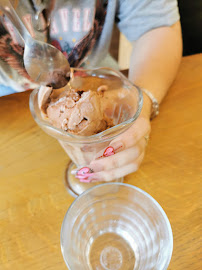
(44, 63)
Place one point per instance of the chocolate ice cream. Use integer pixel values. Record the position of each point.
(87, 106)
(75, 111)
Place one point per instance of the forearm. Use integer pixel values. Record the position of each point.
(155, 60)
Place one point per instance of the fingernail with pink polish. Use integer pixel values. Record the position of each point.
(83, 174)
(111, 150)
(84, 178)
(84, 171)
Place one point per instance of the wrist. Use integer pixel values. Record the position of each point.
(147, 107)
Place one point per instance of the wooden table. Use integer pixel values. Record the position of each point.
(33, 200)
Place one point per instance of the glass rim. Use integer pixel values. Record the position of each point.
(147, 195)
(100, 135)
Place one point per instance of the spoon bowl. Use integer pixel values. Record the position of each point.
(44, 63)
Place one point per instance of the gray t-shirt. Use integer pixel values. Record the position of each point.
(81, 29)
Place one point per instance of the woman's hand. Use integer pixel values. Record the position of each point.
(126, 155)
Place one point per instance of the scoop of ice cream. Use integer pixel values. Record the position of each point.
(75, 111)
(88, 105)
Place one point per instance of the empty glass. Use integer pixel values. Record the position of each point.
(116, 226)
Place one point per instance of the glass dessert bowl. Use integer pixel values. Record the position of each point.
(85, 116)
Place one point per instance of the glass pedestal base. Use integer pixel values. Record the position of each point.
(74, 186)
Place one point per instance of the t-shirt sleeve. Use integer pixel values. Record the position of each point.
(136, 17)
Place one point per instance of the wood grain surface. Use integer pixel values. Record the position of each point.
(33, 200)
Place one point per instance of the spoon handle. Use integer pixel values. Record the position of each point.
(10, 12)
